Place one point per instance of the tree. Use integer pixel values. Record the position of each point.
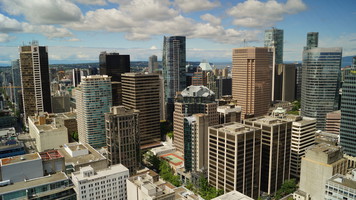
(287, 187)
(75, 135)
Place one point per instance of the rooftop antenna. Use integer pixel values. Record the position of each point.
(245, 42)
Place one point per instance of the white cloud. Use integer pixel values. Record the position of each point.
(9, 25)
(43, 11)
(92, 2)
(5, 37)
(258, 14)
(153, 47)
(73, 40)
(346, 41)
(196, 5)
(211, 19)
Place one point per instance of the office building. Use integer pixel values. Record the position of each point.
(148, 185)
(284, 82)
(10, 145)
(348, 115)
(55, 186)
(47, 132)
(276, 150)
(298, 81)
(79, 155)
(321, 162)
(61, 104)
(16, 82)
(320, 83)
(196, 142)
(108, 183)
(303, 136)
(174, 62)
(229, 113)
(141, 92)
(122, 137)
(114, 64)
(312, 40)
(341, 187)
(35, 83)
(333, 120)
(192, 100)
(152, 64)
(251, 79)
(76, 77)
(274, 39)
(93, 99)
(235, 158)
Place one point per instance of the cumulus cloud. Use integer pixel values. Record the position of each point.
(4, 37)
(92, 2)
(211, 19)
(44, 11)
(258, 14)
(196, 5)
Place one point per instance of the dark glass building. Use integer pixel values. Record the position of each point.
(114, 64)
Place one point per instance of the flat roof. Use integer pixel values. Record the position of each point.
(33, 182)
(20, 158)
(83, 159)
(234, 128)
(50, 155)
(233, 195)
(342, 180)
(326, 148)
(114, 169)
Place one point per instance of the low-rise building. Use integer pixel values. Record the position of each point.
(48, 133)
(104, 184)
(341, 187)
(233, 195)
(148, 186)
(9, 145)
(55, 186)
(79, 155)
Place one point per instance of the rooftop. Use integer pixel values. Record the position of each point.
(50, 155)
(114, 169)
(31, 183)
(267, 120)
(344, 181)
(21, 158)
(234, 128)
(183, 193)
(205, 66)
(197, 91)
(326, 148)
(233, 195)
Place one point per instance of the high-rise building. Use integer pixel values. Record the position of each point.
(235, 158)
(114, 64)
(152, 64)
(192, 100)
(34, 69)
(312, 40)
(320, 83)
(274, 38)
(348, 115)
(16, 81)
(251, 79)
(141, 92)
(76, 76)
(284, 82)
(229, 113)
(321, 162)
(276, 150)
(122, 137)
(93, 99)
(333, 120)
(173, 61)
(298, 81)
(108, 183)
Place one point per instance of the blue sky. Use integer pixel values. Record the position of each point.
(78, 30)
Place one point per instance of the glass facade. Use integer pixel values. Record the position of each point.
(274, 38)
(320, 83)
(174, 62)
(312, 40)
(348, 114)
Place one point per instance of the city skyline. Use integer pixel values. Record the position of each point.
(77, 31)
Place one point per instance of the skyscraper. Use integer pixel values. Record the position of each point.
(192, 100)
(34, 69)
(152, 64)
(274, 38)
(122, 137)
(16, 81)
(320, 83)
(174, 62)
(276, 151)
(235, 158)
(114, 64)
(141, 92)
(312, 40)
(93, 98)
(348, 114)
(251, 79)
(284, 87)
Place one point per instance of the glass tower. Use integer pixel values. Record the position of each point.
(348, 114)
(94, 99)
(312, 40)
(320, 82)
(274, 38)
(174, 61)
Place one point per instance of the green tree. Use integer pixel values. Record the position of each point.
(287, 187)
(75, 135)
